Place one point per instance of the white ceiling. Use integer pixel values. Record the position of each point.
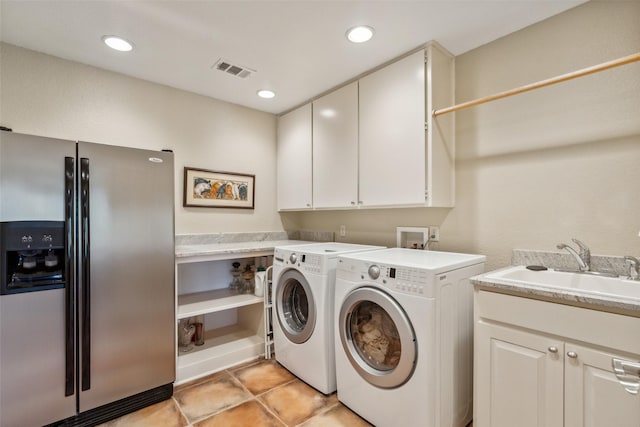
(297, 47)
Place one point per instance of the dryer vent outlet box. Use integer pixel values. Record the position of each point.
(412, 237)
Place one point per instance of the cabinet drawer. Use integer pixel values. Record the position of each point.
(581, 324)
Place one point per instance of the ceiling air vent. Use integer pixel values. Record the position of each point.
(233, 69)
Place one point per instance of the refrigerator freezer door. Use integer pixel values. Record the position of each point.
(32, 171)
(32, 362)
(36, 362)
(127, 333)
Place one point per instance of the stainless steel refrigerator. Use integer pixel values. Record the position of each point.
(87, 303)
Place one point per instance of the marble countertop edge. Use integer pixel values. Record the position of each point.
(184, 251)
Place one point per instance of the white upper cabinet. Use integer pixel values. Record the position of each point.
(335, 149)
(373, 143)
(406, 158)
(294, 160)
(440, 184)
(392, 134)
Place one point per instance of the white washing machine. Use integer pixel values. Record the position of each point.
(303, 298)
(404, 333)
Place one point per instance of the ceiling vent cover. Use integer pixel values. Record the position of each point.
(233, 69)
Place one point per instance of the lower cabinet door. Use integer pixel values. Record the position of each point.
(594, 396)
(519, 378)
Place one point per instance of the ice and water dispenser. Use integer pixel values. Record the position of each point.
(33, 256)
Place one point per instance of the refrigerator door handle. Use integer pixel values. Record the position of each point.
(69, 290)
(86, 274)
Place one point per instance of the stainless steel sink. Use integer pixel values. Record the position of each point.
(618, 287)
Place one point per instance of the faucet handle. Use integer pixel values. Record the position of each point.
(585, 253)
(635, 265)
(584, 249)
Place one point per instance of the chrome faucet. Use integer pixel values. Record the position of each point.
(583, 258)
(635, 265)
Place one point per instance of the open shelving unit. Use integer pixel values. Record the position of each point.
(234, 324)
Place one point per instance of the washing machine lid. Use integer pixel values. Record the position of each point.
(433, 261)
(330, 249)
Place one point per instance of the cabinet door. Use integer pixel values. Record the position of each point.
(518, 377)
(593, 395)
(335, 148)
(392, 134)
(441, 150)
(294, 159)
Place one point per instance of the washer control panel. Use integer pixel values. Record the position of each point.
(310, 263)
(413, 281)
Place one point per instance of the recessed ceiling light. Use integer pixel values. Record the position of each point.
(117, 43)
(360, 34)
(267, 94)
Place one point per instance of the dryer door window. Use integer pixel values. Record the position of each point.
(295, 306)
(377, 337)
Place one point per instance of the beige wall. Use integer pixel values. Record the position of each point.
(543, 167)
(44, 95)
(532, 170)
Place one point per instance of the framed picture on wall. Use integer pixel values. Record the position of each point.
(214, 189)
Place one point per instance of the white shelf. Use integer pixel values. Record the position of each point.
(200, 272)
(211, 301)
(223, 347)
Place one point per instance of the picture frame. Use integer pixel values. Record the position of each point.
(206, 188)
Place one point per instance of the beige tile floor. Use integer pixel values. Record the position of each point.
(256, 394)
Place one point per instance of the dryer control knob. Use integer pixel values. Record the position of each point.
(374, 272)
(293, 258)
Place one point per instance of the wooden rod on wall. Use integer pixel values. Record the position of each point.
(543, 83)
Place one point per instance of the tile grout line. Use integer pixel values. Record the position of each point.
(257, 398)
(270, 411)
(233, 378)
(264, 405)
(329, 407)
(184, 416)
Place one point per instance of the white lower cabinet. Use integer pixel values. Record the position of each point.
(233, 323)
(519, 381)
(541, 364)
(593, 393)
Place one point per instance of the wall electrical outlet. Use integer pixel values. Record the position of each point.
(343, 230)
(434, 233)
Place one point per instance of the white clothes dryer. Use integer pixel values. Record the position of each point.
(404, 333)
(303, 298)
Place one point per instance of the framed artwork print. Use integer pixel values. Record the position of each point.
(215, 189)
